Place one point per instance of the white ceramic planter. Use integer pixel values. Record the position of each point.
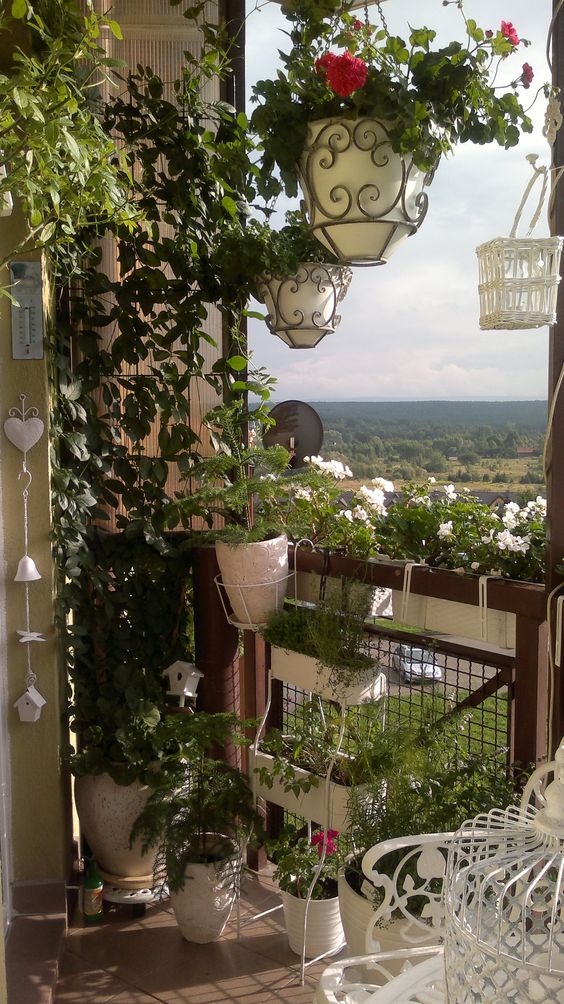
(307, 673)
(254, 577)
(302, 308)
(203, 907)
(461, 619)
(324, 931)
(356, 913)
(361, 198)
(107, 812)
(331, 812)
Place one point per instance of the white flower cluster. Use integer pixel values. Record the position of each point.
(382, 484)
(374, 498)
(450, 492)
(358, 514)
(334, 467)
(445, 530)
(507, 541)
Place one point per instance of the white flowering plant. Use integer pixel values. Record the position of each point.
(449, 529)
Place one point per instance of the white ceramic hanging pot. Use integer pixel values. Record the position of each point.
(254, 577)
(302, 308)
(203, 906)
(107, 812)
(324, 931)
(362, 199)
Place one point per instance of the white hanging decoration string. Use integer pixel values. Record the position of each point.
(406, 587)
(483, 603)
(24, 429)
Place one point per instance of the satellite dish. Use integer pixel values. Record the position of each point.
(298, 428)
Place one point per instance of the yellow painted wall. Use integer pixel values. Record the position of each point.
(39, 804)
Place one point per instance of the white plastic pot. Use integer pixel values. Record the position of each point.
(362, 199)
(203, 906)
(324, 931)
(460, 619)
(356, 913)
(305, 672)
(254, 578)
(312, 805)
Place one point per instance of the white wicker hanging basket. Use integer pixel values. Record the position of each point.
(519, 276)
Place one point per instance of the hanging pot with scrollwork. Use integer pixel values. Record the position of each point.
(361, 198)
(302, 308)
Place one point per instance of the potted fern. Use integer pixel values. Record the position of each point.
(200, 818)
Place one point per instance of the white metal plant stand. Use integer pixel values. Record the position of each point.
(321, 809)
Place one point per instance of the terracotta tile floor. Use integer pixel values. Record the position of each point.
(130, 960)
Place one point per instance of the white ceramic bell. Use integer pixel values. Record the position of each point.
(27, 570)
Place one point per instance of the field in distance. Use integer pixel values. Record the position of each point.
(480, 445)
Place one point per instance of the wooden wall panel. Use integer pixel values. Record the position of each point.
(157, 35)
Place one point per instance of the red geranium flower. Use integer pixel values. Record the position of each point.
(527, 75)
(509, 32)
(357, 25)
(346, 74)
(324, 62)
(317, 841)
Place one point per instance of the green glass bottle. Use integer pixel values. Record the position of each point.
(93, 904)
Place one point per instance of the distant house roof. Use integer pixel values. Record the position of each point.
(527, 451)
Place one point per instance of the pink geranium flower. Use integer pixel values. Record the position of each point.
(346, 74)
(318, 838)
(527, 75)
(509, 32)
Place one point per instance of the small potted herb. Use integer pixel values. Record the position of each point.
(325, 649)
(307, 773)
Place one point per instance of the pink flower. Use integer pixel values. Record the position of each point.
(357, 25)
(527, 75)
(317, 841)
(509, 32)
(346, 74)
(489, 33)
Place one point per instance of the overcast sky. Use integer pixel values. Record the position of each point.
(410, 329)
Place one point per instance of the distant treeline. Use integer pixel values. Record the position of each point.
(406, 439)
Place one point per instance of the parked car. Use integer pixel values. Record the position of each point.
(416, 665)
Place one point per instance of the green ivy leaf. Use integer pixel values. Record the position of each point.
(115, 29)
(237, 363)
(19, 8)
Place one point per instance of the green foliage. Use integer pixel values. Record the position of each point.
(135, 376)
(254, 250)
(313, 741)
(434, 780)
(131, 618)
(432, 98)
(201, 806)
(245, 483)
(61, 163)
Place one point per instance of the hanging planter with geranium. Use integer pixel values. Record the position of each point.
(361, 118)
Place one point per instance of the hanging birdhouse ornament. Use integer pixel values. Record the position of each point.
(519, 276)
(24, 429)
(183, 679)
(30, 705)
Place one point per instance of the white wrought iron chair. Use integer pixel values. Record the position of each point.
(406, 927)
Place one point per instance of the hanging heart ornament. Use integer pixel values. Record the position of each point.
(24, 433)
